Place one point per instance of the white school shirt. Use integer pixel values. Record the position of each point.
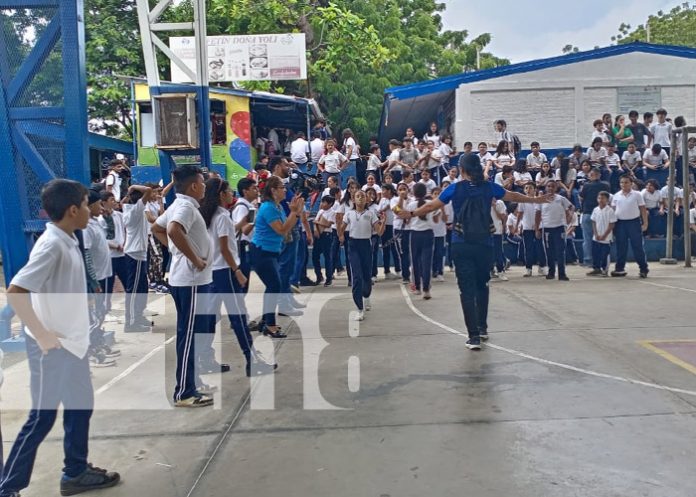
(241, 210)
(222, 225)
(449, 210)
(137, 229)
(332, 162)
(631, 159)
(152, 208)
(603, 218)
(485, 158)
(350, 142)
(428, 138)
(612, 160)
(418, 224)
(435, 159)
(498, 207)
(535, 161)
(375, 187)
(439, 227)
(326, 215)
(511, 223)
(360, 223)
(691, 154)
(504, 160)
(399, 224)
(119, 233)
(385, 206)
(429, 185)
(595, 156)
(298, 151)
(692, 216)
(553, 214)
(599, 134)
(528, 212)
(445, 151)
(652, 200)
(661, 133)
(184, 211)
(341, 208)
(664, 193)
(55, 276)
(655, 160)
(373, 163)
(95, 241)
(316, 148)
(627, 207)
(114, 180)
(522, 176)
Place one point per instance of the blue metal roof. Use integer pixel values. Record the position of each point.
(452, 82)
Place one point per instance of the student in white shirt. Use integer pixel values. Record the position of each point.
(499, 216)
(299, 152)
(332, 162)
(522, 177)
(374, 161)
(226, 268)
(316, 147)
(111, 221)
(631, 222)
(503, 157)
(243, 217)
(432, 135)
(389, 244)
(373, 205)
(597, 154)
(113, 180)
(677, 207)
(613, 163)
(600, 132)
(661, 131)
(536, 159)
(603, 222)
(412, 136)
(486, 160)
(136, 258)
(447, 151)
(361, 222)
(372, 183)
(652, 196)
(393, 162)
(351, 149)
(656, 158)
(632, 160)
(429, 183)
(182, 227)
(551, 220)
(452, 175)
(432, 161)
(49, 295)
(439, 234)
(422, 239)
(402, 228)
(323, 239)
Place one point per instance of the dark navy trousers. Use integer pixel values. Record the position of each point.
(227, 292)
(422, 258)
(534, 252)
(360, 255)
(136, 289)
(629, 232)
(555, 249)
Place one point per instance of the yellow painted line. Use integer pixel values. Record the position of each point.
(681, 340)
(648, 344)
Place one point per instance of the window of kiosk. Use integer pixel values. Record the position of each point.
(218, 125)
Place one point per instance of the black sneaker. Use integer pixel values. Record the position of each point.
(259, 367)
(483, 335)
(595, 272)
(213, 367)
(618, 274)
(643, 274)
(563, 277)
(307, 282)
(550, 276)
(92, 478)
(473, 343)
(109, 352)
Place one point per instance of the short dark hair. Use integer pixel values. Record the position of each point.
(597, 140)
(394, 142)
(633, 113)
(333, 191)
(679, 122)
(58, 195)
(604, 194)
(115, 162)
(661, 111)
(299, 134)
(275, 160)
(316, 134)
(507, 169)
(244, 184)
(389, 188)
(484, 144)
(374, 147)
(184, 176)
(106, 195)
(653, 182)
(328, 199)
(535, 144)
(656, 148)
(647, 115)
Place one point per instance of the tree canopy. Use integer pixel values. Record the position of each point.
(676, 27)
(355, 50)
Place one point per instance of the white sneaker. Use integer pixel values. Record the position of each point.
(440, 278)
(502, 276)
(360, 316)
(542, 271)
(366, 303)
(374, 280)
(110, 318)
(527, 273)
(391, 276)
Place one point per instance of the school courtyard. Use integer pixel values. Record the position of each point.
(586, 388)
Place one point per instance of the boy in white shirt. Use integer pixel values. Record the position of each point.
(111, 222)
(300, 152)
(374, 161)
(183, 229)
(429, 183)
(603, 222)
(499, 216)
(486, 158)
(536, 159)
(323, 224)
(244, 217)
(551, 220)
(661, 130)
(656, 158)
(49, 295)
(678, 222)
(632, 160)
(599, 132)
(534, 252)
(393, 162)
(136, 258)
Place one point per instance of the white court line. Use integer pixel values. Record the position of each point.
(669, 286)
(133, 367)
(568, 367)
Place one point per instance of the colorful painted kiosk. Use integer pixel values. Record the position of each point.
(236, 117)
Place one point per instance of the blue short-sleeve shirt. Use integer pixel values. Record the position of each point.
(462, 190)
(264, 236)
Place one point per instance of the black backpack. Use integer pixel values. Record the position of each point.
(473, 221)
(516, 145)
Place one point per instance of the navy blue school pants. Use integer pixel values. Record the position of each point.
(405, 250)
(226, 291)
(555, 249)
(498, 256)
(245, 263)
(120, 270)
(438, 255)
(600, 255)
(323, 246)
(472, 262)
(390, 249)
(267, 267)
(360, 256)
(336, 252)
(192, 318)
(629, 231)
(136, 290)
(375, 254)
(422, 258)
(57, 377)
(534, 252)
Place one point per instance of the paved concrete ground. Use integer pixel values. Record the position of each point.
(554, 410)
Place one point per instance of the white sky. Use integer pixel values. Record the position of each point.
(532, 29)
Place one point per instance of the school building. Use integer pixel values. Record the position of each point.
(553, 101)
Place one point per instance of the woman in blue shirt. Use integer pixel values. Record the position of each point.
(472, 249)
(271, 227)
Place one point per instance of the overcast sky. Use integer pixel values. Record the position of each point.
(532, 29)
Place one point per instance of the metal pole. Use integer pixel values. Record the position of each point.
(200, 34)
(687, 196)
(668, 259)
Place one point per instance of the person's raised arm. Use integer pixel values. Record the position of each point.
(168, 187)
(296, 206)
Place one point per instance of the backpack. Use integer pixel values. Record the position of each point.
(473, 221)
(516, 144)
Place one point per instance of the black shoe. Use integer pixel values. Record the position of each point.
(483, 335)
(595, 272)
(254, 326)
(643, 274)
(563, 277)
(259, 367)
(618, 274)
(319, 281)
(213, 367)
(278, 334)
(473, 343)
(136, 328)
(308, 282)
(550, 276)
(92, 478)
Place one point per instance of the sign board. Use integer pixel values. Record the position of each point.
(244, 57)
(639, 98)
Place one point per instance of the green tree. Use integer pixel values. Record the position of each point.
(676, 27)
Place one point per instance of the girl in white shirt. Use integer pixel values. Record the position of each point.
(402, 229)
(362, 222)
(422, 240)
(432, 135)
(439, 233)
(214, 209)
(373, 205)
(503, 157)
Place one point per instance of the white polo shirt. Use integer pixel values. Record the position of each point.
(655, 160)
(299, 150)
(661, 133)
(222, 225)
(55, 276)
(528, 212)
(602, 219)
(241, 210)
(627, 207)
(113, 179)
(332, 162)
(418, 224)
(316, 148)
(360, 223)
(664, 193)
(652, 200)
(119, 233)
(355, 151)
(376, 187)
(95, 241)
(429, 185)
(385, 206)
(184, 211)
(553, 214)
(326, 215)
(535, 161)
(497, 208)
(137, 229)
